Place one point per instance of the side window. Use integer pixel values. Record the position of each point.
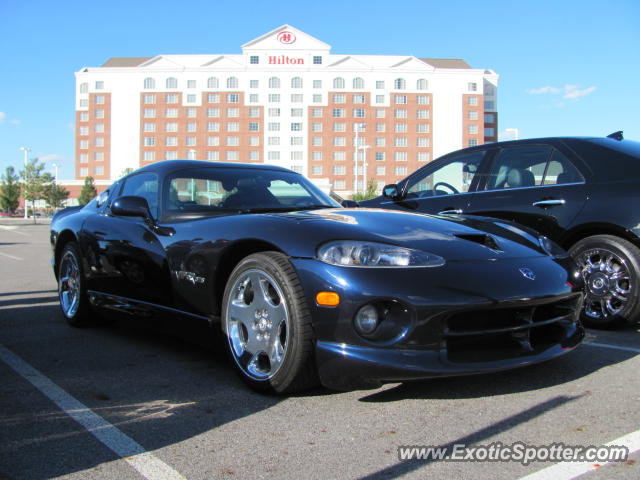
(187, 192)
(517, 167)
(453, 177)
(143, 185)
(102, 198)
(560, 170)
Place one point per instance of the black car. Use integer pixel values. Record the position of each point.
(305, 290)
(580, 192)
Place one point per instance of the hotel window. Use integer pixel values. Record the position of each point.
(213, 112)
(274, 112)
(473, 130)
(213, 98)
(316, 155)
(232, 82)
(99, 113)
(171, 82)
(473, 142)
(379, 84)
(339, 170)
(84, 87)
(84, 171)
(232, 142)
(274, 82)
(422, 114)
(149, 98)
(489, 90)
(422, 99)
(254, 141)
(296, 127)
(191, 84)
(422, 142)
(316, 127)
(423, 156)
(99, 142)
(99, 170)
(171, 127)
(381, 170)
(359, 112)
(232, 156)
(273, 155)
(149, 83)
(317, 84)
(297, 168)
(400, 170)
(273, 140)
(192, 113)
(171, 141)
(171, 98)
(149, 127)
(190, 141)
(254, 126)
(213, 141)
(380, 113)
(254, 83)
(400, 142)
(472, 87)
(171, 113)
(213, 127)
(359, 127)
(489, 132)
(400, 99)
(379, 98)
(316, 112)
(253, 98)
(254, 112)
(400, 156)
(401, 127)
(399, 84)
(296, 97)
(359, 98)
(317, 60)
(83, 131)
(213, 82)
(191, 98)
(380, 142)
(84, 116)
(339, 98)
(339, 156)
(339, 141)
(99, 128)
(149, 141)
(232, 98)
(338, 82)
(254, 156)
(472, 101)
(358, 83)
(296, 82)
(380, 127)
(473, 115)
(233, 127)
(339, 127)
(421, 84)
(296, 155)
(233, 112)
(316, 170)
(213, 156)
(191, 127)
(489, 118)
(296, 112)
(273, 127)
(84, 102)
(340, 185)
(99, 99)
(317, 98)
(254, 59)
(338, 113)
(422, 128)
(400, 113)
(489, 105)
(149, 156)
(274, 98)
(316, 141)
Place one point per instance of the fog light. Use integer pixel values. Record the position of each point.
(367, 319)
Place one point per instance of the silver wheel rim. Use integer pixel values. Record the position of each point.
(607, 282)
(257, 324)
(69, 284)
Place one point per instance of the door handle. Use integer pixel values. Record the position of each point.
(552, 202)
(451, 211)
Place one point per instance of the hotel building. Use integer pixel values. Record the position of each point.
(285, 100)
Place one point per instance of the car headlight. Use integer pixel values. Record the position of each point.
(552, 248)
(351, 253)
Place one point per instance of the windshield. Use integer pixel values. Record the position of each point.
(222, 190)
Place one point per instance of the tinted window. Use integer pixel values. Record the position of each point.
(609, 159)
(455, 176)
(143, 185)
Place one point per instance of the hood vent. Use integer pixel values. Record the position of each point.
(485, 240)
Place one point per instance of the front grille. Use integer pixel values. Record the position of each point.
(502, 333)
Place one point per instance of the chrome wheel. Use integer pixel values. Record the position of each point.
(607, 280)
(69, 284)
(257, 324)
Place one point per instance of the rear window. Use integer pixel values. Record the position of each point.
(609, 159)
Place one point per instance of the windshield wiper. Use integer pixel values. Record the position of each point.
(291, 208)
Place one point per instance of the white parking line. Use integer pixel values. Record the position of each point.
(569, 470)
(614, 347)
(132, 452)
(9, 256)
(13, 229)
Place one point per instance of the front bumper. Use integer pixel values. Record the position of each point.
(465, 318)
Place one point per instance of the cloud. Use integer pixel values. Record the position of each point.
(541, 90)
(2, 116)
(573, 92)
(51, 157)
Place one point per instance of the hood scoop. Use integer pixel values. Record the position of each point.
(482, 239)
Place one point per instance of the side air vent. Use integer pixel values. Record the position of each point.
(486, 240)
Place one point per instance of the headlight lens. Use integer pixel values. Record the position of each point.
(350, 253)
(552, 248)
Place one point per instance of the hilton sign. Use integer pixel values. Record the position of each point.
(285, 60)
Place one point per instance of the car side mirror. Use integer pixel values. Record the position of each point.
(131, 206)
(349, 204)
(391, 191)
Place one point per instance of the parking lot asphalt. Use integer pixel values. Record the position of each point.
(123, 401)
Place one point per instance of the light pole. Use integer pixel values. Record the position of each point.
(364, 165)
(55, 177)
(26, 151)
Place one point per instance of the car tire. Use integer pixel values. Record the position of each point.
(267, 325)
(72, 293)
(610, 269)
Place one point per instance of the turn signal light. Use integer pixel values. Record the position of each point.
(328, 299)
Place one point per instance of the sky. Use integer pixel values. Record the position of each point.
(566, 67)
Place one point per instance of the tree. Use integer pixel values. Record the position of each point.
(10, 191)
(55, 195)
(34, 181)
(88, 191)
(370, 192)
(126, 172)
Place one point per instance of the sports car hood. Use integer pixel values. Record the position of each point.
(452, 237)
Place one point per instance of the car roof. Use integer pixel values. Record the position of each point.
(169, 166)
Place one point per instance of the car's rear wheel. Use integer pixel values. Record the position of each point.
(71, 289)
(267, 325)
(610, 268)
